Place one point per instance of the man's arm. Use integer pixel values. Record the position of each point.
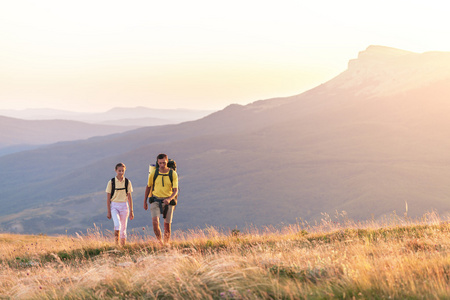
(174, 193)
(148, 190)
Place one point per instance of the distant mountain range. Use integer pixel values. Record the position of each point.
(17, 134)
(124, 116)
(368, 142)
(30, 128)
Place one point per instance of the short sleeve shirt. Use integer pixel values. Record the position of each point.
(119, 195)
(160, 190)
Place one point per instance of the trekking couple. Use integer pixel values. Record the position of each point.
(161, 193)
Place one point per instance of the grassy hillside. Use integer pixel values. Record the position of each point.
(337, 258)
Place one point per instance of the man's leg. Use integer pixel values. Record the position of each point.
(168, 224)
(156, 229)
(167, 228)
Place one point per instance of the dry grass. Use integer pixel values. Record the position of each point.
(334, 259)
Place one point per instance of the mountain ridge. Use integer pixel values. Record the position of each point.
(382, 71)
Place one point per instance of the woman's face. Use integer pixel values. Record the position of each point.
(120, 172)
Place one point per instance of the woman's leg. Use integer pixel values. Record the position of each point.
(116, 219)
(124, 213)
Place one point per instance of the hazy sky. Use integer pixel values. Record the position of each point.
(94, 55)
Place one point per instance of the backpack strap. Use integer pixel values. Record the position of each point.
(174, 201)
(154, 177)
(113, 186)
(171, 176)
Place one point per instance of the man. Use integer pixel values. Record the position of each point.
(162, 191)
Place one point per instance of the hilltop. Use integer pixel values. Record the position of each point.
(335, 259)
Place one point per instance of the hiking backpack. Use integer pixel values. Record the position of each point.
(113, 186)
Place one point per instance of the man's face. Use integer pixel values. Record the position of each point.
(162, 163)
